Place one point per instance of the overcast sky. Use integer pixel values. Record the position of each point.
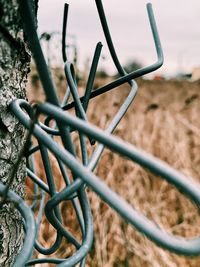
(178, 24)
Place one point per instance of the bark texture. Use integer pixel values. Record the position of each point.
(14, 67)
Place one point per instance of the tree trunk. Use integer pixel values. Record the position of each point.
(14, 67)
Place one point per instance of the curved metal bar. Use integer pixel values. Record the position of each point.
(52, 191)
(35, 199)
(65, 15)
(52, 249)
(80, 112)
(30, 162)
(64, 55)
(44, 260)
(48, 170)
(99, 149)
(21, 206)
(137, 73)
(28, 20)
(86, 245)
(120, 69)
(124, 107)
(37, 180)
(41, 209)
(68, 235)
(72, 197)
(49, 130)
(44, 186)
(30, 30)
(51, 216)
(107, 35)
(156, 166)
(87, 242)
(33, 149)
(111, 46)
(70, 75)
(91, 77)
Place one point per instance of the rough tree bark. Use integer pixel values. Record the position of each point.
(14, 67)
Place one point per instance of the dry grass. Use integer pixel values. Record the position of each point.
(164, 120)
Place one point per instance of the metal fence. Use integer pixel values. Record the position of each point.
(83, 176)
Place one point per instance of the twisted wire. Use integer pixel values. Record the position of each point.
(82, 170)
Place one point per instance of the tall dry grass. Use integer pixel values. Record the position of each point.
(164, 121)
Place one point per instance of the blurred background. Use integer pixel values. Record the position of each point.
(163, 120)
(177, 24)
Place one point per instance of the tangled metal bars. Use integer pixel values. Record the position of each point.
(82, 172)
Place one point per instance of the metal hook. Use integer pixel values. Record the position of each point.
(137, 73)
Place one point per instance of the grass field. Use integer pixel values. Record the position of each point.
(164, 121)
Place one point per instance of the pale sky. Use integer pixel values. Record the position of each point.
(178, 24)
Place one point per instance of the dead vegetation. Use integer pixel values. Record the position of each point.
(164, 121)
